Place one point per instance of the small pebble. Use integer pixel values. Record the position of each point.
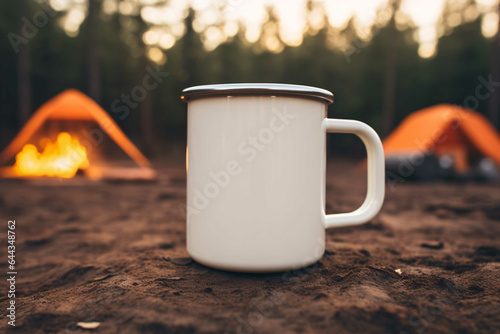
(432, 245)
(319, 296)
(365, 252)
(88, 325)
(102, 278)
(166, 245)
(399, 271)
(208, 290)
(161, 279)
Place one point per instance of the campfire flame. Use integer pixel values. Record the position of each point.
(62, 158)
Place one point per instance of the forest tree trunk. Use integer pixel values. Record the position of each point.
(145, 108)
(390, 79)
(94, 84)
(494, 105)
(23, 73)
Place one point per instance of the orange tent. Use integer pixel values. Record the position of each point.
(445, 129)
(73, 105)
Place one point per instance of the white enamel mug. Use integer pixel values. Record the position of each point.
(256, 175)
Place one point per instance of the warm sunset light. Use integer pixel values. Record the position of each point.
(63, 158)
(219, 20)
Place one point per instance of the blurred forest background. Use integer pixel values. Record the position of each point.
(380, 70)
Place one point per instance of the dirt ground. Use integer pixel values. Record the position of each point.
(115, 253)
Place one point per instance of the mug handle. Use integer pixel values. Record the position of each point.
(376, 173)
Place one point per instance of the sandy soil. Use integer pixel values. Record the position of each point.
(115, 253)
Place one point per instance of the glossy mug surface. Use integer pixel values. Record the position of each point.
(256, 175)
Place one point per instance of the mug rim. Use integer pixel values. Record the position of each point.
(257, 89)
